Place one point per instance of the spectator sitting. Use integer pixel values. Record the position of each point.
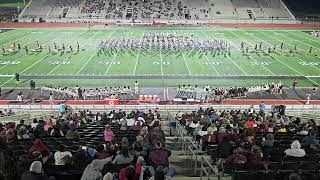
(39, 147)
(282, 129)
(56, 132)
(35, 172)
(22, 133)
(208, 139)
(155, 122)
(295, 150)
(21, 125)
(48, 126)
(237, 157)
(160, 174)
(137, 125)
(72, 134)
(101, 153)
(93, 170)
(221, 134)
(225, 148)
(23, 164)
(137, 147)
(61, 156)
(123, 123)
(268, 141)
(124, 157)
(309, 140)
(34, 123)
(108, 133)
(255, 156)
(160, 157)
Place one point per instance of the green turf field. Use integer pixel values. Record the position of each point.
(167, 67)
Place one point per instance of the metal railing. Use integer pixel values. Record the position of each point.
(163, 108)
(207, 169)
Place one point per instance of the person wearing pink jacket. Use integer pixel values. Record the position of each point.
(108, 134)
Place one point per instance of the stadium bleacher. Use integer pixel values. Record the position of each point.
(161, 10)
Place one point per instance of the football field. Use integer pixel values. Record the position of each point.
(157, 68)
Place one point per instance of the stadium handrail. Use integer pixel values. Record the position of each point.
(208, 171)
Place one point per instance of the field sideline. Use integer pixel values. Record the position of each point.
(159, 68)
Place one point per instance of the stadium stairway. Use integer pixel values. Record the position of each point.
(179, 159)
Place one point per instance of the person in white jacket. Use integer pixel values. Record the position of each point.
(295, 150)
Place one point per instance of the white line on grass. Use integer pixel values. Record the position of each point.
(19, 56)
(298, 57)
(307, 37)
(212, 65)
(184, 59)
(252, 56)
(16, 40)
(110, 64)
(285, 63)
(34, 62)
(232, 60)
(67, 56)
(137, 59)
(161, 62)
(10, 35)
(93, 55)
(297, 40)
(26, 69)
(59, 64)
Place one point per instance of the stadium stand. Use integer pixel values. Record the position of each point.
(161, 10)
(81, 136)
(253, 144)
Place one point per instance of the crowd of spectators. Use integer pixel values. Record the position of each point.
(116, 92)
(146, 157)
(219, 94)
(254, 139)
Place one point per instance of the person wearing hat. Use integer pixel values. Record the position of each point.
(35, 173)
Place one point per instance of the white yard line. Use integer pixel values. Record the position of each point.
(212, 65)
(93, 55)
(34, 62)
(137, 60)
(110, 62)
(285, 63)
(184, 59)
(298, 57)
(233, 60)
(21, 55)
(67, 56)
(59, 64)
(10, 35)
(252, 56)
(161, 62)
(298, 41)
(16, 40)
(304, 37)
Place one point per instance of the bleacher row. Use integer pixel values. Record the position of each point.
(276, 164)
(155, 9)
(91, 135)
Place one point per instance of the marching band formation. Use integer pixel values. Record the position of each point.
(165, 41)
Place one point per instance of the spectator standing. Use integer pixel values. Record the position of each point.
(262, 108)
(108, 133)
